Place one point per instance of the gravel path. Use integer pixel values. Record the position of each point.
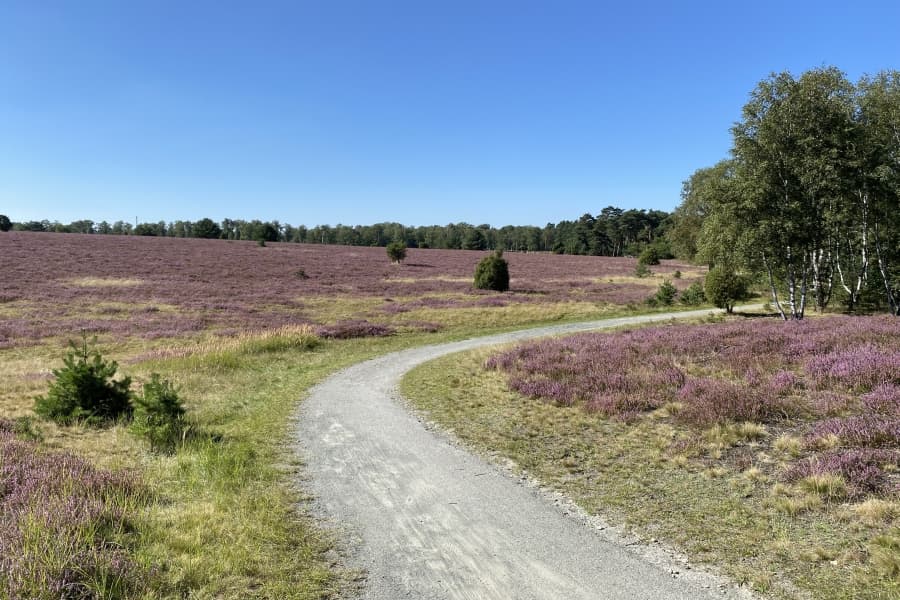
(423, 518)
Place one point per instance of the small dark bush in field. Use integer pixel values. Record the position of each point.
(677, 274)
(649, 256)
(724, 287)
(5, 223)
(301, 274)
(641, 270)
(84, 390)
(353, 329)
(693, 295)
(159, 415)
(492, 273)
(261, 243)
(396, 251)
(666, 293)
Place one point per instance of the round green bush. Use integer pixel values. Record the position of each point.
(694, 295)
(396, 251)
(492, 273)
(666, 293)
(723, 287)
(649, 256)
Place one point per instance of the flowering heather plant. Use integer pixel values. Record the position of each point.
(884, 400)
(860, 368)
(873, 431)
(766, 372)
(862, 469)
(63, 524)
(710, 401)
(784, 382)
(832, 404)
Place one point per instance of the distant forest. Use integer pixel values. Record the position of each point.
(613, 232)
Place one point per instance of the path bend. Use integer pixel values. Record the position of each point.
(425, 519)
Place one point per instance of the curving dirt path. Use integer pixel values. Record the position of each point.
(426, 519)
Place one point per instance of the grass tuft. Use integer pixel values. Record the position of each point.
(828, 486)
(876, 511)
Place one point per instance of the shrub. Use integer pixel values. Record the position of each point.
(693, 295)
(649, 256)
(677, 274)
(84, 390)
(723, 287)
(159, 415)
(396, 251)
(345, 330)
(492, 273)
(5, 223)
(666, 293)
(641, 270)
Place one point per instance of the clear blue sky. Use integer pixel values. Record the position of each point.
(422, 112)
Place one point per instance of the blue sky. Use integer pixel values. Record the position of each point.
(422, 112)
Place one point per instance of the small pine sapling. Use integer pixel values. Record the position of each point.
(84, 390)
(666, 293)
(159, 415)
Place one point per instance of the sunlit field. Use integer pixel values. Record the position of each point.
(768, 448)
(127, 287)
(241, 330)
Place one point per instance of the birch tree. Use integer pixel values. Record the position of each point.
(793, 148)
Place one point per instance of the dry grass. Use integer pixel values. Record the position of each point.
(286, 337)
(101, 282)
(876, 511)
(790, 445)
(827, 486)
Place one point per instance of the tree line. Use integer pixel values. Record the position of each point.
(612, 232)
(809, 199)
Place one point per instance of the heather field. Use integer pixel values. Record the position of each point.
(241, 331)
(771, 448)
(152, 288)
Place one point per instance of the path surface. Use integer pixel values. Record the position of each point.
(425, 519)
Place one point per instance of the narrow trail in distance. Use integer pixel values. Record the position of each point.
(426, 519)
